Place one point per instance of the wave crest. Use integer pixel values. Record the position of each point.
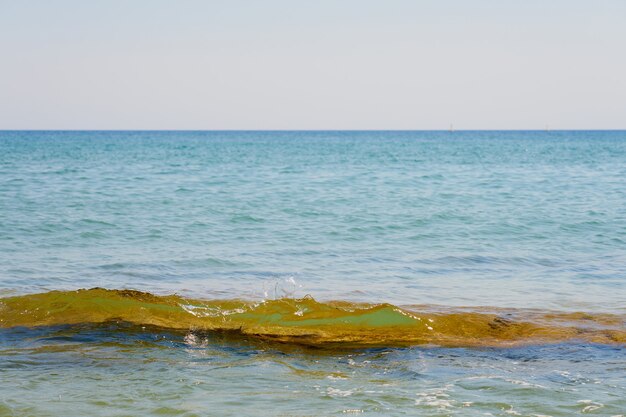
(307, 321)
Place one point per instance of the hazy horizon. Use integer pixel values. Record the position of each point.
(313, 130)
(296, 65)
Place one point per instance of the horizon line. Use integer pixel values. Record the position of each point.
(315, 130)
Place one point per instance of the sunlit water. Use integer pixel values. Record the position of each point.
(507, 223)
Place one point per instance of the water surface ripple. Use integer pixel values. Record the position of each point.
(484, 220)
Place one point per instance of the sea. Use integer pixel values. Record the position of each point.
(313, 273)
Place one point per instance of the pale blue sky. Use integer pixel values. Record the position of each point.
(312, 64)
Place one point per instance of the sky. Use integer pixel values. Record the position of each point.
(312, 64)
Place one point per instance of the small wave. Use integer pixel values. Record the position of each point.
(309, 322)
(96, 222)
(246, 218)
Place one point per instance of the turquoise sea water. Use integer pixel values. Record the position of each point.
(513, 220)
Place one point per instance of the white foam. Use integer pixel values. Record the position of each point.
(335, 392)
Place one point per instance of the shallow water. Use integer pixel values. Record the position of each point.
(517, 239)
(108, 370)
